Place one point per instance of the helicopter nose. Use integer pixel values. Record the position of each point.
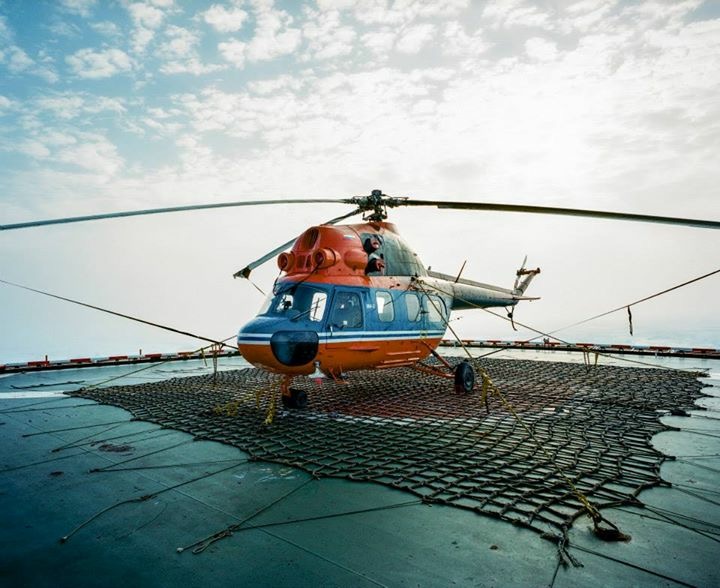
(294, 348)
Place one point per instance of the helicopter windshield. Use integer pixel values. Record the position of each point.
(296, 302)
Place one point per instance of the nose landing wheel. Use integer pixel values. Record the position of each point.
(295, 398)
(464, 378)
(292, 397)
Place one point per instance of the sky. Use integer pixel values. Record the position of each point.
(119, 105)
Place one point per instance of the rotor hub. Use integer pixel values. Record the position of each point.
(376, 204)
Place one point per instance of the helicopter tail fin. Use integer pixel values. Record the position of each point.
(523, 277)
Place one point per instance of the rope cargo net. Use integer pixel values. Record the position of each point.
(413, 432)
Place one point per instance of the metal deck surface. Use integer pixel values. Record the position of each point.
(158, 490)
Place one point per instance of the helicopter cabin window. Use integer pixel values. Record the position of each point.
(436, 311)
(412, 302)
(317, 306)
(298, 302)
(385, 308)
(346, 311)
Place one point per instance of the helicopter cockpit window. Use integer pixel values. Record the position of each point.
(412, 301)
(385, 308)
(298, 302)
(436, 310)
(317, 308)
(346, 311)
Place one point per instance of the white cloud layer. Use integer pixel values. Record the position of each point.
(591, 104)
(225, 20)
(90, 64)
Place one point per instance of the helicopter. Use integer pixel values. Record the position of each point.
(356, 296)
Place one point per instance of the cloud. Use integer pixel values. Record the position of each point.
(179, 53)
(191, 66)
(584, 16)
(278, 84)
(516, 13)
(65, 107)
(6, 34)
(456, 42)
(224, 20)
(141, 39)
(70, 148)
(327, 37)
(541, 49)
(63, 28)
(147, 18)
(93, 153)
(180, 43)
(90, 64)
(332, 113)
(380, 42)
(336, 4)
(146, 15)
(18, 60)
(106, 27)
(80, 7)
(380, 12)
(34, 149)
(234, 52)
(413, 39)
(273, 37)
(70, 105)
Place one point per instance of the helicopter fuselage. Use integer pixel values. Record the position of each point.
(338, 327)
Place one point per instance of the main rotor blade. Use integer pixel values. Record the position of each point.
(92, 217)
(245, 272)
(669, 220)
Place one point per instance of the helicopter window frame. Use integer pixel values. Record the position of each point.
(414, 314)
(267, 304)
(318, 304)
(347, 311)
(435, 309)
(283, 303)
(385, 306)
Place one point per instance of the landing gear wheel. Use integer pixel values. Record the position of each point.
(297, 399)
(464, 378)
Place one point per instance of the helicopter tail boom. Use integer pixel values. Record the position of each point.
(468, 294)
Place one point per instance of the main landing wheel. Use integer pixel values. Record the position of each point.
(297, 399)
(464, 378)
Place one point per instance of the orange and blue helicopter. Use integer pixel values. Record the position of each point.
(357, 297)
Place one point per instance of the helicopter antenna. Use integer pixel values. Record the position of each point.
(461, 271)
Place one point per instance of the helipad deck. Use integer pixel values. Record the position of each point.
(154, 489)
